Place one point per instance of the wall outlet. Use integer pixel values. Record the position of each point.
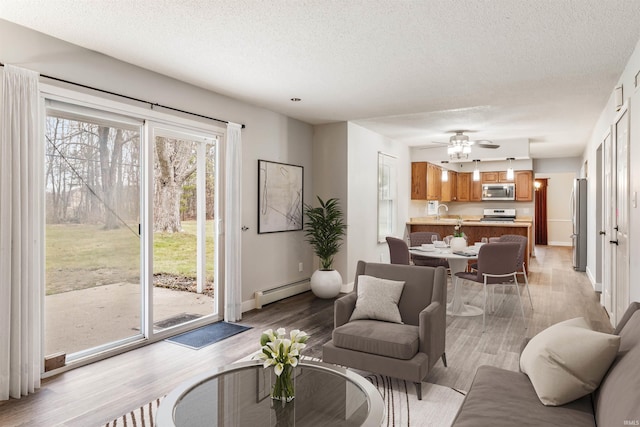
(300, 267)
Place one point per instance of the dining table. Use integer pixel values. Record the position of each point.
(458, 261)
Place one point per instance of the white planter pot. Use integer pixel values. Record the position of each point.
(326, 283)
(458, 243)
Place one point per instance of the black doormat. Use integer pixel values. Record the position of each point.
(208, 335)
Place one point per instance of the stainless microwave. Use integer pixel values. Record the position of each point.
(505, 191)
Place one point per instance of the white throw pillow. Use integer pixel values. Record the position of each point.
(568, 360)
(378, 299)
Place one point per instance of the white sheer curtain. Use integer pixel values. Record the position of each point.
(21, 234)
(233, 224)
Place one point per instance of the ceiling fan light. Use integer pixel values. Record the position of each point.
(459, 138)
(459, 146)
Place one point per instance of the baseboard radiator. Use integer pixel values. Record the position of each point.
(270, 295)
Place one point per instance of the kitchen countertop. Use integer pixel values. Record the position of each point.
(470, 221)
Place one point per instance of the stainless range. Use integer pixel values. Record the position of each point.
(499, 215)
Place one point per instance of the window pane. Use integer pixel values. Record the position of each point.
(178, 186)
(92, 242)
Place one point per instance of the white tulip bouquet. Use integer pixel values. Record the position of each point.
(283, 353)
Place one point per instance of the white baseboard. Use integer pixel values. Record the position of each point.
(248, 305)
(268, 296)
(596, 286)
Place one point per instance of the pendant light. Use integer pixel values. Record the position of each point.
(510, 169)
(445, 173)
(476, 171)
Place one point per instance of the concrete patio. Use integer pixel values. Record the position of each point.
(81, 319)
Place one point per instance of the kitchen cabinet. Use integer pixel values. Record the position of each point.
(524, 186)
(464, 187)
(450, 188)
(494, 177)
(425, 181)
(488, 177)
(502, 177)
(476, 191)
(523, 183)
(426, 184)
(468, 189)
(434, 182)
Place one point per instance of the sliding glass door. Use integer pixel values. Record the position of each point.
(131, 235)
(93, 292)
(184, 215)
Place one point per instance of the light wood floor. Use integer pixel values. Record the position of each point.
(95, 394)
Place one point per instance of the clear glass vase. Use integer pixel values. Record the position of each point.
(283, 385)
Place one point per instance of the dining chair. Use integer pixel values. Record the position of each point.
(398, 251)
(522, 241)
(497, 265)
(418, 238)
(522, 250)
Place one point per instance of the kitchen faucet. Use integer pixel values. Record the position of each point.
(446, 208)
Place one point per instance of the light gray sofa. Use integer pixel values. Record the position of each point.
(407, 351)
(506, 398)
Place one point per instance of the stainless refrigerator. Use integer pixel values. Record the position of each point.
(579, 219)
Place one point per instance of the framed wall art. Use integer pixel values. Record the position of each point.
(280, 196)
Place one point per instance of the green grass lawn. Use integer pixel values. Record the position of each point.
(80, 256)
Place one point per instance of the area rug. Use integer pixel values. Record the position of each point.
(207, 335)
(438, 407)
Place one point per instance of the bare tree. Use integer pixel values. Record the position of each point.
(175, 162)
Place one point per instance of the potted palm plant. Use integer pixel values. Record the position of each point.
(324, 230)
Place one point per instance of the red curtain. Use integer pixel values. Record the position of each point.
(541, 211)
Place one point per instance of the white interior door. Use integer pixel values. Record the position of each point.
(621, 283)
(606, 226)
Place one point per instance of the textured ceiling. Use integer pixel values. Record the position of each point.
(411, 70)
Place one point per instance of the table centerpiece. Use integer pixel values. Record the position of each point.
(283, 353)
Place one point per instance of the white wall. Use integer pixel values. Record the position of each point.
(269, 260)
(330, 174)
(364, 146)
(606, 119)
(345, 162)
(560, 164)
(559, 224)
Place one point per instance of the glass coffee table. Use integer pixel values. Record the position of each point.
(238, 395)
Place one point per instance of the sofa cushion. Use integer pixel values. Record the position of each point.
(568, 360)
(378, 299)
(501, 398)
(617, 400)
(381, 338)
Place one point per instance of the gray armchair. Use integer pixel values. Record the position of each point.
(407, 351)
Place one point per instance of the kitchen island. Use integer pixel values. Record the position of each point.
(475, 229)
